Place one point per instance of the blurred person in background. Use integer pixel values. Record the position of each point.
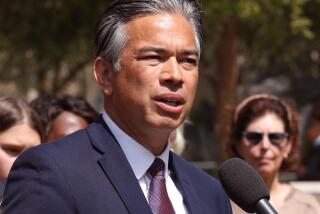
(264, 132)
(312, 139)
(63, 114)
(20, 129)
(177, 140)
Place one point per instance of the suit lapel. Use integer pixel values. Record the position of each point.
(185, 185)
(119, 172)
(117, 169)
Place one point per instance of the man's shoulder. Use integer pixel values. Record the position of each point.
(46, 171)
(76, 141)
(63, 148)
(64, 143)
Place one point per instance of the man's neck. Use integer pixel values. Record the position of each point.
(155, 139)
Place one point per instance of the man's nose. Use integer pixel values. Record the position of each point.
(171, 73)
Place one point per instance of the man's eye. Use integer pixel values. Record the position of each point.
(151, 57)
(189, 60)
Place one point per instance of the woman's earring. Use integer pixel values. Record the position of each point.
(285, 156)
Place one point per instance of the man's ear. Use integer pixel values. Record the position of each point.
(103, 72)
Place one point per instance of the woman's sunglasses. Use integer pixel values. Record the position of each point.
(275, 138)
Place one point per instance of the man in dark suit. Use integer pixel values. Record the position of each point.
(147, 55)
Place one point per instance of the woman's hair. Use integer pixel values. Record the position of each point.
(15, 111)
(256, 106)
(50, 107)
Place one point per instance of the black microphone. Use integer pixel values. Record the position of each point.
(245, 186)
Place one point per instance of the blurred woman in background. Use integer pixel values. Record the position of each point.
(20, 129)
(264, 132)
(63, 114)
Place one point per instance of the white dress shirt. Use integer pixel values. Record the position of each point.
(140, 159)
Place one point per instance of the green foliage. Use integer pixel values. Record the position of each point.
(222, 9)
(268, 30)
(42, 41)
(45, 44)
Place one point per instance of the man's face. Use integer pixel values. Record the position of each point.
(155, 88)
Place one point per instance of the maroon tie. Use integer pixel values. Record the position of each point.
(158, 197)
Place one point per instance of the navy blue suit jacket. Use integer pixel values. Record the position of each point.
(87, 173)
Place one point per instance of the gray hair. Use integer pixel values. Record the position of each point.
(111, 37)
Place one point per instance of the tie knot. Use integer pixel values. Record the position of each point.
(156, 168)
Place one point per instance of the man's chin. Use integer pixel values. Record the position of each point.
(170, 121)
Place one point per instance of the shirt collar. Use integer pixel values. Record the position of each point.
(140, 158)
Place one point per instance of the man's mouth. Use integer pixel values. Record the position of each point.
(170, 103)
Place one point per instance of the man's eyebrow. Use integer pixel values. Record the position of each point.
(151, 49)
(189, 52)
(162, 50)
